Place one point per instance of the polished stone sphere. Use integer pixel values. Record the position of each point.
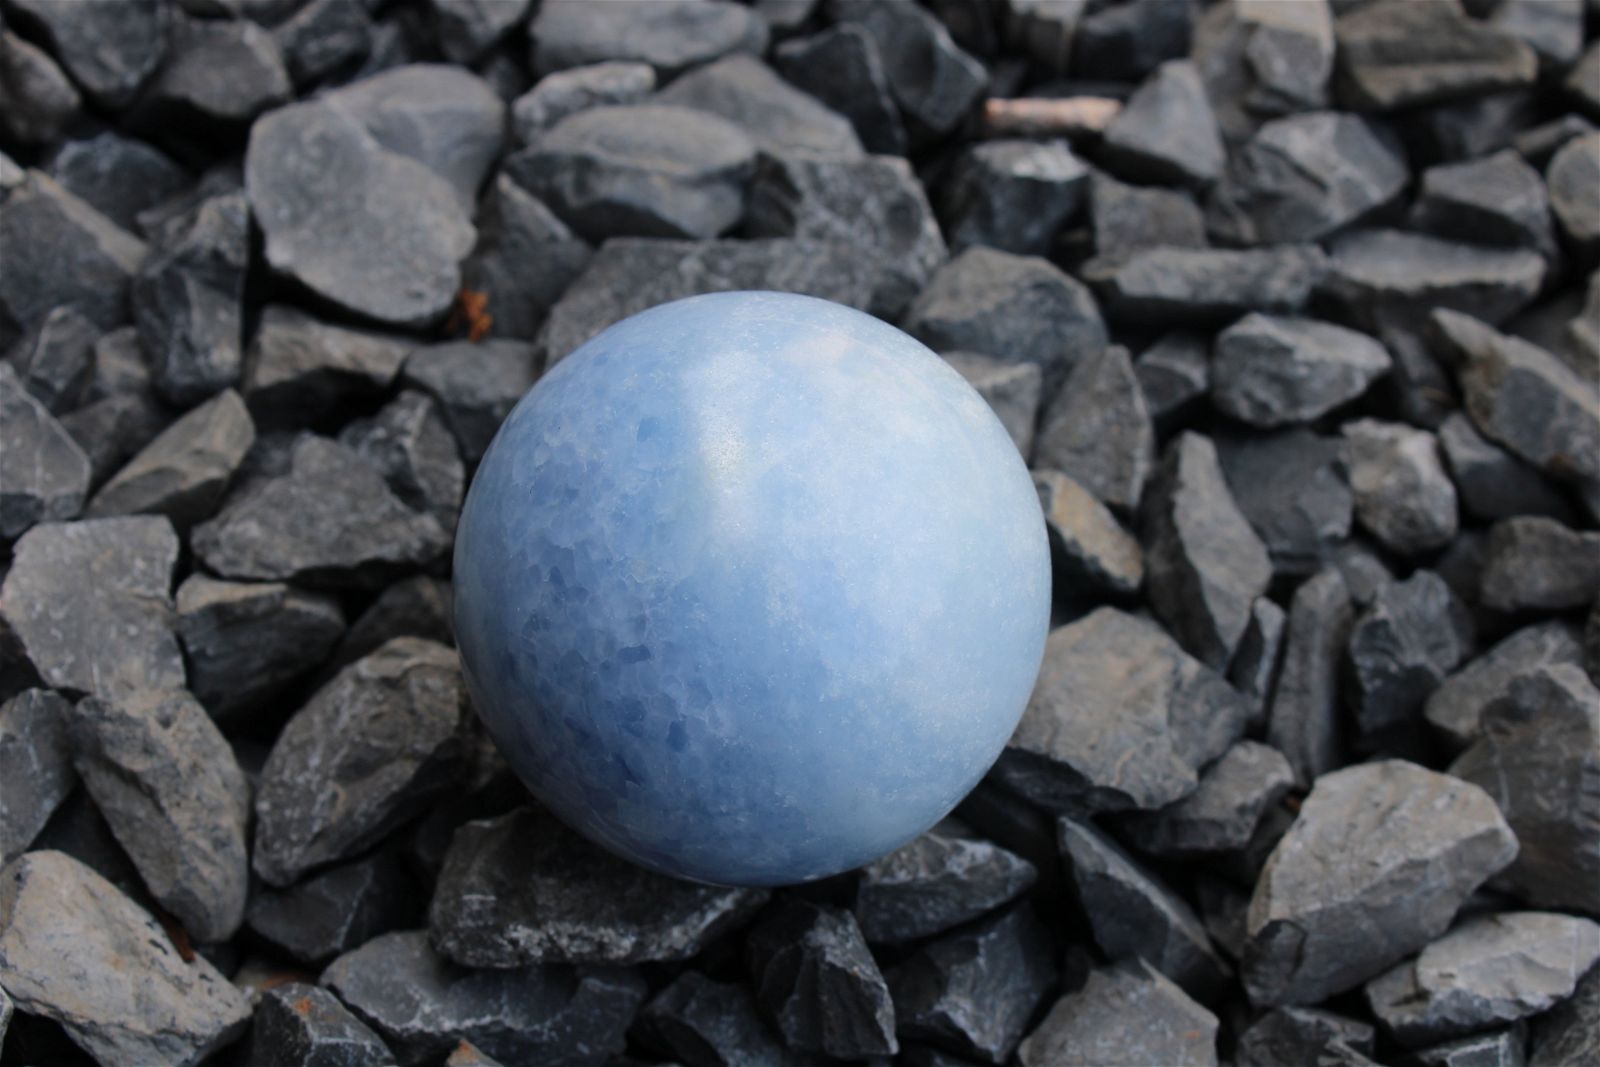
(751, 588)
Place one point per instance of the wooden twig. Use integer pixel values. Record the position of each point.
(1073, 116)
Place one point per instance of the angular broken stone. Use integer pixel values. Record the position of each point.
(76, 951)
(110, 51)
(1125, 42)
(91, 605)
(117, 176)
(1094, 547)
(36, 771)
(1013, 194)
(1174, 373)
(1537, 564)
(933, 80)
(1126, 218)
(670, 36)
(219, 75)
(1254, 669)
(1570, 1032)
(1097, 430)
(779, 118)
(417, 607)
(166, 781)
(1413, 845)
(1121, 718)
(1539, 758)
(329, 519)
(476, 386)
(1175, 286)
(1166, 133)
(56, 360)
(525, 259)
(1573, 179)
(1134, 916)
(568, 92)
(1490, 970)
(1497, 199)
(1494, 1048)
(1491, 482)
(41, 101)
(373, 747)
(522, 889)
(1456, 707)
(1306, 1035)
(299, 369)
(1204, 564)
(326, 37)
(338, 909)
(1291, 486)
(1127, 1012)
(410, 445)
(817, 984)
(1400, 54)
(1011, 389)
(423, 1005)
(183, 473)
(1268, 370)
(702, 1021)
(1402, 494)
(45, 476)
(935, 882)
(972, 992)
(1221, 814)
(302, 1024)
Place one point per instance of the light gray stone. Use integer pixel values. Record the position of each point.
(184, 472)
(1127, 1012)
(1402, 494)
(1455, 709)
(1272, 370)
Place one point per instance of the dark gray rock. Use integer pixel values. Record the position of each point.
(1306, 1035)
(469, 28)
(1412, 634)
(525, 259)
(1497, 199)
(1043, 30)
(1011, 389)
(1254, 669)
(1553, 30)
(1127, 1012)
(219, 75)
(423, 1006)
(935, 882)
(1304, 721)
(1538, 143)
(1094, 548)
(1570, 1032)
(841, 66)
(874, 203)
(371, 230)
(1413, 845)
(76, 951)
(1097, 429)
(1134, 916)
(476, 386)
(337, 910)
(299, 369)
(568, 92)
(1403, 496)
(670, 36)
(36, 771)
(1262, 60)
(779, 118)
(817, 984)
(1490, 970)
(246, 640)
(705, 1023)
(110, 50)
(166, 781)
(1302, 177)
(1536, 564)
(113, 429)
(1175, 286)
(55, 360)
(1272, 370)
(90, 603)
(523, 889)
(413, 607)
(1204, 564)
(1401, 54)
(1455, 709)
(330, 519)
(1220, 815)
(1583, 82)
(972, 992)
(325, 37)
(41, 103)
(1166, 132)
(297, 1024)
(1496, 1048)
(1013, 194)
(1174, 374)
(644, 169)
(183, 473)
(1539, 758)
(1120, 719)
(45, 476)
(1291, 487)
(1492, 483)
(410, 445)
(1574, 181)
(1017, 308)
(931, 78)
(1126, 218)
(1125, 42)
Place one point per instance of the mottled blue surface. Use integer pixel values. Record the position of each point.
(751, 588)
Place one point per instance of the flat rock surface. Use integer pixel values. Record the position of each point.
(36, 771)
(936, 882)
(1091, 1026)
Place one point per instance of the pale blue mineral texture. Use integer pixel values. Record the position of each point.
(751, 588)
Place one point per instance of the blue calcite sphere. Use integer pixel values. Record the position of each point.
(751, 588)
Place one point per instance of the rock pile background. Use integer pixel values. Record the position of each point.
(1291, 304)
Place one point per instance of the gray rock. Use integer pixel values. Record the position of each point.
(1490, 970)
(874, 203)
(1306, 1035)
(670, 36)
(1491, 482)
(1134, 916)
(1163, 286)
(41, 103)
(1126, 218)
(1536, 564)
(469, 28)
(325, 37)
(931, 78)
(1455, 709)
(1017, 308)
(1272, 370)
(36, 771)
(841, 66)
(1097, 430)
(1013, 194)
(1262, 60)
(705, 1023)
(1498, 199)
(1011, 389)
(90, 603)
(219, 74)
(568, 92)
(76, 951)
(643, 169)
(1127, 1012)
(817, 984)
(5, 1014)
(45, 476)
(371, 230)
(245, 641)
(779, 118)
(1220, 815)
(1254, 669)
(1043, 30)
(972, 992)
(1538, 143)
(299, 369)
(1553, 30)
(1402, 645)
(1120, 719)
(1096, 551)
(1125, 42)
(55, 360)
(1291, 487)
(1305, 176)
(1539, 758)
(423, 1006)
(183, 473)
(1166, 132)
(110, 50)
(337, 910)
(524, 260)
(1497, 1048)
(1403, 496)
(410, 445)
(1570, 1032)
(1413, 845)
(1583, 82)
(476, 386)
(1401, 54)
(113, 429)
(330, 519)
(301, 1024)
(522, 889)
(413, 607)
(935, 882)
(1174, 374)
(1204, 564)
(166, 781)
(1574, 180)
